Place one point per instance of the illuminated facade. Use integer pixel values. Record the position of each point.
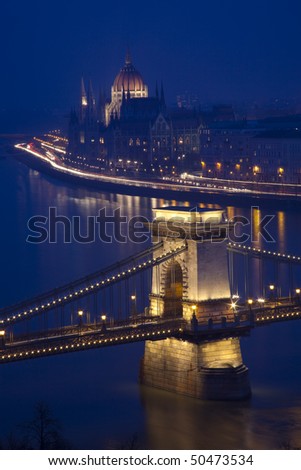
(128, 81)
(131, 127)
(85, 142)
(251, 150)
(193, 285)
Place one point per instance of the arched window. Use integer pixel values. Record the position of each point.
(173, 290)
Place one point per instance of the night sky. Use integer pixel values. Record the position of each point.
(223, 50)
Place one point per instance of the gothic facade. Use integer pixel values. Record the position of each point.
(131, 127)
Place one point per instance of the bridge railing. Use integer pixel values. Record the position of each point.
(81, 328)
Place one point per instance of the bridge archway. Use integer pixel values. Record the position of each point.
(173, 297)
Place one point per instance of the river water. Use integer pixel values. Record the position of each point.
(95, 394)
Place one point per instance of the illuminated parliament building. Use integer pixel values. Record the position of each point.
(130, 127)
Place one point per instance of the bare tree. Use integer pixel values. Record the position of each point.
(132, 443)
(16, 442)
(44, 431)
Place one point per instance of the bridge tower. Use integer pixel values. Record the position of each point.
(194, 285)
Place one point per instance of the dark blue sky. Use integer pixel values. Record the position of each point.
(224, 50)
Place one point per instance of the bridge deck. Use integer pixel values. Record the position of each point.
(91, 336)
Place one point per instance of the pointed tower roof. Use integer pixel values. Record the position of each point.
(128, 57)
(162, 94)
(90, 89)
(84, 100)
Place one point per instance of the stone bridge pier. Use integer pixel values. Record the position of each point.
(194, 284)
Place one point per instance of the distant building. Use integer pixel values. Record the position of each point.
(132, 126)
(129, 135)
(128, 81)
(136, 131)
(252, 150)
(188, 101)
(277, 155)
(84, 140)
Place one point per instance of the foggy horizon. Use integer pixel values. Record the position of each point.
(224, 53)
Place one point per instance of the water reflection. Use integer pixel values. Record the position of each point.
(281, 231)
(176, 422)
(163, 420)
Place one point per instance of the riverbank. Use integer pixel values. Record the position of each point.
(184, 191)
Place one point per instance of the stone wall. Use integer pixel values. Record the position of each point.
(209, 370)
(205, 274)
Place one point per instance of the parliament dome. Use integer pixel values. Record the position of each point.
(129, 79)
(128, 82)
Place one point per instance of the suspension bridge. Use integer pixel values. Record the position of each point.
(184, 290)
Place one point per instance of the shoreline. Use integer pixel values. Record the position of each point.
(145, 188)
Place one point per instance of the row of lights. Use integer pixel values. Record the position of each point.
(264, 251)
(78, 172)
(272, 288)
(93, 286)
(260, 300)
(89, 343)
(283, 315)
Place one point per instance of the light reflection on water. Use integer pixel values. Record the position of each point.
(96, 394)
(175, 422)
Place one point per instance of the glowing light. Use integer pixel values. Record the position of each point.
(250, 301)
(261, 300)
(298, 291)
(103, 317)
(271, 287)
(80, 313)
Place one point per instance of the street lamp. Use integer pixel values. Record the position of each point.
(261, 301)
(272, 293)
(234, 300)
(80, 314)
(133, 306)
(2, 339)
(194, 321)
(103, 327)
(250, 303)
(298, 291)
